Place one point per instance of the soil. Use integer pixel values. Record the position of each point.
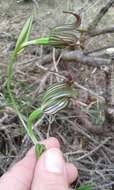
(84, 142)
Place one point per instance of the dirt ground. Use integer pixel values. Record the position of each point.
(77, 128)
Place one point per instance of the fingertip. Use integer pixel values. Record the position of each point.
(51, 142)
(72, 172)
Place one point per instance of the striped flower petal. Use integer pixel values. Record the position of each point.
(57, 91)
(56, 105)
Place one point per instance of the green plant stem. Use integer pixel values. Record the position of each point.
(39, 41)
(37, 114)
(14, 104)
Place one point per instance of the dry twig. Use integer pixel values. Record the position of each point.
(99, 16)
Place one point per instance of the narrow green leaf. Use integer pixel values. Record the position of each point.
(24, 35)
(85, 187)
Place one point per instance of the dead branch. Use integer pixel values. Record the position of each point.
(77, 57)
(109, 106)
(73, 56)
(108, 96)
(98, 32)
(49, 58)
(99, 16)
(80, 57)
(98, 50)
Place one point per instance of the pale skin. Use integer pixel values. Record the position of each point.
(50, 172)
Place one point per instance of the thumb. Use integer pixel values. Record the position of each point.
(50, 172)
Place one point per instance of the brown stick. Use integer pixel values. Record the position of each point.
(98, 50)
(101, 31)
(99, 16)
(79, 56)
(109, 106)
(73, 56)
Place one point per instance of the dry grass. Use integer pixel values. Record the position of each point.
(82, 140)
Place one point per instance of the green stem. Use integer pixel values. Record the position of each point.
(39, 41)
(14, 104)
(37, 114)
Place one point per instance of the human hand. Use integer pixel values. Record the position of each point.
(50, 172)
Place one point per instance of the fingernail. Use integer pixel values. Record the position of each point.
(54, 161)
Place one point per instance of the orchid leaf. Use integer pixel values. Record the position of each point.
(84, 187)
(24, 35)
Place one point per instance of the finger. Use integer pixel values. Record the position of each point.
(50, 172)
(72, 172)
(51, 142)
(20, 175)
